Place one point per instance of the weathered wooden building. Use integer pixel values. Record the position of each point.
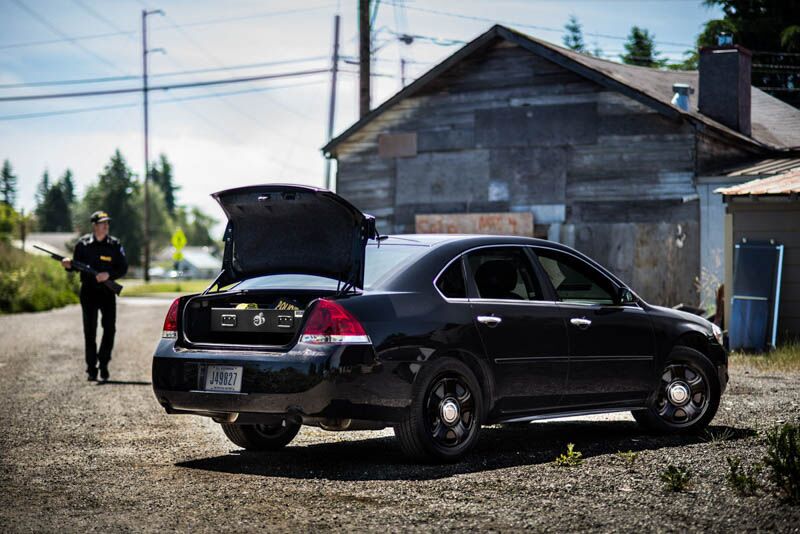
(768, 209)
(596, 151)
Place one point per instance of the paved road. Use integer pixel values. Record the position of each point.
(78, 456)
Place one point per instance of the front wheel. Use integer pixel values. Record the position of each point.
(261, 437)
(688, 394)
(444, 418)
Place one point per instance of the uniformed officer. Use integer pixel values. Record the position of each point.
(105, 254)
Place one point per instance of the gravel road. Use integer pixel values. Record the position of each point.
(78, 456)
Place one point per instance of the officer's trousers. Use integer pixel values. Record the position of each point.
(94, 299)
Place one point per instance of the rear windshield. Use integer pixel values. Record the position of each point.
(380, 262)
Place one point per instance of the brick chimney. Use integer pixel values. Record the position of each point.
(725, 86)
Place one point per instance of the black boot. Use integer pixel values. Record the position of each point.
(104, 373)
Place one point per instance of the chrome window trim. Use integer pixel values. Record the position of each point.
(528, 302)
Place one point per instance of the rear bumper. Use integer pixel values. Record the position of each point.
(310, 382)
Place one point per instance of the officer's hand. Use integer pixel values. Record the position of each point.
(66, 263)
(101, 277)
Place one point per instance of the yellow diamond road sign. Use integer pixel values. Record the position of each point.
(177, 256)
(178, 240)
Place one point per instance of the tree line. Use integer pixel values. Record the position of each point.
(768, 28)
(118, 191)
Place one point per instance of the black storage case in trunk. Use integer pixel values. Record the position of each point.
(260, 324)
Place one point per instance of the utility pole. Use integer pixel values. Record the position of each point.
(332, 106)
(402, 73)
(145, 52)
(364, 35)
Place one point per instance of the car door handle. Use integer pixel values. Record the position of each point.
(583, 323)
(489, 320)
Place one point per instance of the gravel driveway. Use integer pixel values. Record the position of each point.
(78, 456)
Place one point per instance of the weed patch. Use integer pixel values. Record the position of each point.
(676, 478)
(743, 481)
(572, 458)
(783, 458)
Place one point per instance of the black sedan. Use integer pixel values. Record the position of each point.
(316, 319)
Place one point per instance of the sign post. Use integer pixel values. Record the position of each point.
(178, 241)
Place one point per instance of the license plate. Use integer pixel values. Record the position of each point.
(224, 378)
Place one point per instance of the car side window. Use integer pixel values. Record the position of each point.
(504, 274)
(574, 280)
(451, 283)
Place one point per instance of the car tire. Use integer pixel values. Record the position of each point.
(261, 437)
(444, 418)
(687, 397)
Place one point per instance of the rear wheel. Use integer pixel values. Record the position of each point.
(269, 437)
(444, 418)
(688, 394)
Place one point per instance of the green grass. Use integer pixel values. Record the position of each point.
(31, 283)
(784, 358)
(137, 288)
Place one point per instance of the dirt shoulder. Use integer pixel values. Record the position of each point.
(80, 456)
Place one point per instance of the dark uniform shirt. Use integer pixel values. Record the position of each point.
(104, 256)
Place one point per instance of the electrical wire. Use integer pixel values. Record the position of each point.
(518, 24)
(106, 79)
(204, 83)
(42, 20)
(120, 32)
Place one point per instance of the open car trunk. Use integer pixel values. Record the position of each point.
(292, 229)
(247, 319)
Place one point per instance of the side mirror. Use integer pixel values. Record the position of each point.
(625, 296)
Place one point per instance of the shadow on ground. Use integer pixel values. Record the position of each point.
(123, 383)
(497, 448)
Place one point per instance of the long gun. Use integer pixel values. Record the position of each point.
(80, 266)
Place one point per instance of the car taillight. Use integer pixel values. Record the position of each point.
(329, 322)
(170, 329)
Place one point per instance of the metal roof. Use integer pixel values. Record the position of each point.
(787, 183)
(767, 167)
(775, 124)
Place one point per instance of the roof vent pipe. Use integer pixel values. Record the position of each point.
(681, 97)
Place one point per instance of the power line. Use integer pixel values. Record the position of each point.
(519, 24)
(30, 11)
(106, 79)
(187, 85)
(120, 32)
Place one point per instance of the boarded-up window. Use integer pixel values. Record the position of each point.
(475, 223)
(397, 145)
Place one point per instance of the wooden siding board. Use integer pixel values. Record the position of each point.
(537, 126)
(532, 175)
(456, 176)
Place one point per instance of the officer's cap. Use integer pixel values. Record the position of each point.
(100, 216)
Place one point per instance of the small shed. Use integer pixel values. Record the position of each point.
(762, 210)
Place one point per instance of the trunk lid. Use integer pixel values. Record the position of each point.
(293, 229)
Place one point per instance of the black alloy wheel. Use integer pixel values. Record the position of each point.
(261, 437)
(683, 394)
(450, 411)
(444, 419)
(687, 396)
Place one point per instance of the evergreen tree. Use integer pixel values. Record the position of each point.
(55, 213)
(197, 226)
(162, 177)
(116, 192)
(640, 49)
(42, 188)
(8, 184)
(771, 30)
(68, 186)
(573, 39)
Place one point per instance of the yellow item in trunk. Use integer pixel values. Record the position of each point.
(247, 306)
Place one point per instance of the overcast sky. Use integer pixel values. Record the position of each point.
(266, 131)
